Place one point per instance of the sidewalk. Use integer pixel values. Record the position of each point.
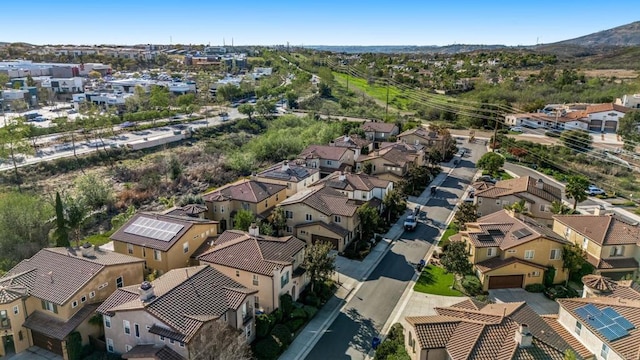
(350, 274)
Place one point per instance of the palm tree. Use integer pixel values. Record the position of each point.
(77, 214)
(559, 208)
(576, 189)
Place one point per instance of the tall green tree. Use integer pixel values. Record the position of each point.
(628, 129)
(279, 220)
(247, 109)
(319, 262)
(395, 204)
(576, 189)
(159, 97)
(77, 214)
(265, 107)
(491, 162)
(455, 259)
(577, 140)
(467, 213)
(243, 219)
(574, 258)
(369, 221)
(61, 232)
(559, 208)
(14, 144)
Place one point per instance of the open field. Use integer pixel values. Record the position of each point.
(397, 98)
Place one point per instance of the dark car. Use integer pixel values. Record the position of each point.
(560, 292)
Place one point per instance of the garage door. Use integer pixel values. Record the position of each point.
(47, 343)
(595, 125)
(505, 282)
(610, 126)
(332, 241)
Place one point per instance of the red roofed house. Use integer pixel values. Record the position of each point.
(328, 158)
(272, 265)
(379, 131)
(247, 194)
(601, 117)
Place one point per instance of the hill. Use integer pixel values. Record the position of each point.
(625, 35)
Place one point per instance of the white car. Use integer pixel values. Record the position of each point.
(517, 129)
(593, 190)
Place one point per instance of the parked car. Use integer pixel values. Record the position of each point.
(517, 129)
(593, 190)
(410, 223)
(560, 292)
(422, 216)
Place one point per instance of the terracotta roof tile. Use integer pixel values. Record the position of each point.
(325, 152)
(421, 132)
(245, 190)
(326, 200)
(260, 255)
(626, 289)
(576, 346)
(380, 127)
(156, 352)
(352, 141)
(287, 171)
(350, 181)
(56, 328)
(602, 229)
(522, 186)
(596, 108)
(463, 339)
(496, 263)
(599, 282)
(333, 227)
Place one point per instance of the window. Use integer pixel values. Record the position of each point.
(127, 348)
(303, 232)
(247, 331)
(277, 197)
(512, 251)
(181, 344)
(266, 204)
(490, 251)
(92, 295)
(185, 247)
(83, 298)
(535, 274)
(528, 254)
(127, 327)
(308, 217)
(16, 310)
(329, 162)
(617, 251)
(130, 249)
(74, 304)
(107, 322)
(49, 306)
(103, 286)
(585, 243)
(256, 281)
(555, 254)
(578, 328)
(119, 282)
(289, 229)
(288, 214)
(109, 345)
(337, 218)
(544, 208)
(567, 232)
(604, 352)
(161, 338)
(238, 273)
(245, 206)
(136, 330)
(157, 255)
(284, 279)
(144, 252)
(221, 209)
(256, 302)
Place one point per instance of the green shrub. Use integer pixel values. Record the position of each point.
(312, 300)
(264, 324)
(535, 288)
(286, 304)
(267, 349)
(298, 314)
(472, 285)
(310, 311)
(282, 334)
(278, 314)
(295, 324)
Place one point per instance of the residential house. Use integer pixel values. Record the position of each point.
(328, 158)
(272, 265)
(294, 176)
(601, 117)
(322, 213)
(630, 101)
(392, 161)
(54, 293)
(356, 143)
(358, 186)
(179, 313)
(537, 194)
(609, 327)
(474, 330)
(379, 131)
(598, 285)
(566, 121)
(259, 197)
(611, 243)
(420, 136)
(511, 252)
(163, 241)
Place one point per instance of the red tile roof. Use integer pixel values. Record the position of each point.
(522, 186)
(54, 327)
(496, 263)
(596, 108)
(350, 181)
(325, 200)
(380, 127)
(156, 352)
(245, 190)
(325, 152)
(602, 229)
(581, 350)
(352, 141)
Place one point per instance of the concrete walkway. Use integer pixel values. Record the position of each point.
(33, 353)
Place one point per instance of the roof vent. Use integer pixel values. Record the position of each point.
(254, 230)
(540, 184)
(87, 250)
(146, 291)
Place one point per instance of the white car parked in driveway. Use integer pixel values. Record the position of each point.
(593, 190)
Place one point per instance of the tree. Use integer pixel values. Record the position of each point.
(4, 79)
(247, 109)
(576, 189)
(395, 204)
(455, 259)
(574, 259)
(122, 218)
(367, 168)
(491, 162)
(467, 213)
(292, 99)
(266, 229)
(77, 214)
(319, 262)
(185, 102)
(159, 97)
(576, 140)
(94, 191)
(518, 207)
(265, 107)
(570, 355)
(279, 220)
(369, 220)
(243, 220)
(175, 167)
(61, 233)
(94, 74)
(222, 342)
(559, 208)
(14, 144)
(628, 129)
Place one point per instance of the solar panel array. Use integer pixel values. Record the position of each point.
(519, 234)
(485, 237)
(495, 232)
(154, 229)
(607, 322)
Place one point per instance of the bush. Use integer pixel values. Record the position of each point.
(295, 324)
(310, 311)
(264, 324)
(535, 288)
(267, 349)
(286, 304)
(298, 314)
(282, 333)
(472, 285)
(278, 314)
(312, 300)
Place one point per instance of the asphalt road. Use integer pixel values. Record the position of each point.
(362, 318)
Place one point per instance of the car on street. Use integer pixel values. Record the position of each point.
(517, 129)
(410, 223)
(593, 190)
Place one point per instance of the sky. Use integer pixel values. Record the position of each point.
(300, 22)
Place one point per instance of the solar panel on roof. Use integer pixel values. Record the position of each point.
(618, 319)
(154, 229)
(495, 232)
(521, 233)
(608, 322)
(485, 237)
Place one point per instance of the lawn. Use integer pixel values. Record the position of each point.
(434, 280)
(397, 98)
(98, 239)
(502, 175)
(451, 230)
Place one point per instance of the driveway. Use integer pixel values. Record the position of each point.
(34, 353)
(538, 302)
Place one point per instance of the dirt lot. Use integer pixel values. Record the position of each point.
(605, 73)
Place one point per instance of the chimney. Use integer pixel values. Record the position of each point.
(332, 143)
(599, 210)
(539, 184)
(285, 165)
(347, 138)
(254, 230)
(87, 250)
(523, 337)
(342, 177)
(146, 291)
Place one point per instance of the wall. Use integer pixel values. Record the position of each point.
(306, 234)
(542, 253)
(592, 249)
(16, 321)
(513, 269)
(265, 285)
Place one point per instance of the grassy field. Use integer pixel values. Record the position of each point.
(397, 98)
(434, 280)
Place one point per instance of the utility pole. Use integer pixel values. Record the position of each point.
(348, 71)
(386, 108)
(495, 135)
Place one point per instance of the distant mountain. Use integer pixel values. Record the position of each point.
(395, 49)
(625, 35)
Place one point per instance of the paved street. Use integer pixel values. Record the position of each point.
(349, 335)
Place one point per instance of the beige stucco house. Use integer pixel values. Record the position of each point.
(272, 265)
(179, 314)
(45, 298)
(328, 158)
(259, 197)
(379, 131)
(358, 186)
(163, 241)
(391, 161)
(295, 177)
(511, 252)
(611, 243)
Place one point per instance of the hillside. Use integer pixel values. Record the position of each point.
(625, 35)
